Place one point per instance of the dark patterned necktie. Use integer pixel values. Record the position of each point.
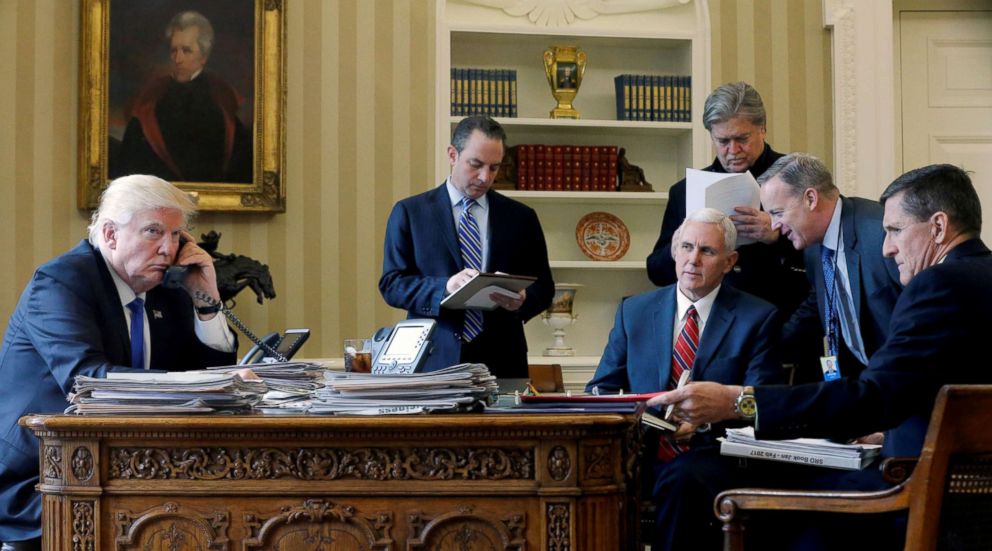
(830, 307)
(471, 245)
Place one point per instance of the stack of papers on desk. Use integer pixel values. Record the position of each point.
(805, 451)
(162, 393)
(456, 388)
(291, 385)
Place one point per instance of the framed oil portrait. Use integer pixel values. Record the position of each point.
(191, 91)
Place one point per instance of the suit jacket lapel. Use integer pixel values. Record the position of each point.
(717, 325)
(663, 325)
(499, 242)
(441, 205)
(112, 304)
(851, 253)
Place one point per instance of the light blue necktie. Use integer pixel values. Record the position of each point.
(137, 307)
(830, 294)
(471, 245)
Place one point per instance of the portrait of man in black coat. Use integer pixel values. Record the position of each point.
(186, 125)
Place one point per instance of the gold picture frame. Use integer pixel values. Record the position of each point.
(114, 49)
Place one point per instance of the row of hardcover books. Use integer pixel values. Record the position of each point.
(653, 98)
(567, 167)
(490, 92)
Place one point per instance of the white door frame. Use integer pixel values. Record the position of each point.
(863, 60)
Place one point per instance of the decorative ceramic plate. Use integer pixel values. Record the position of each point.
(602, 236)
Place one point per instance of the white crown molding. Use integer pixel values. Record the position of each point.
(864, 94)
(557, 13)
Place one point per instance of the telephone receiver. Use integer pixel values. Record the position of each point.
(175, 275)
(271, 348)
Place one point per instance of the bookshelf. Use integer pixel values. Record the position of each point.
(656, 40)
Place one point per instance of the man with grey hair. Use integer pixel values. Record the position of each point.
(854, 288)
(698, 326)
(769, 268)
(185, 126)
(100, 308)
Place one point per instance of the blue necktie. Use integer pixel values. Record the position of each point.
(830, 293)
(471, 245)
(137, 307)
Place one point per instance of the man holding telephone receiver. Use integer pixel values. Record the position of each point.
(98, 308)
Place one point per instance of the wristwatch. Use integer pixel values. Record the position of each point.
(745, 406)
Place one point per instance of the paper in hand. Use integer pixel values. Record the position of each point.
(722, 192)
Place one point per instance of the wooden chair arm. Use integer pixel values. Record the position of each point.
(896, 470)
(730, 505)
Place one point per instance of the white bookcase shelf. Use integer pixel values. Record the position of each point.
(645, 40)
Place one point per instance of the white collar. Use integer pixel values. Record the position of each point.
(124, 291)
(703, 305)
(833, 239)
(456, 196)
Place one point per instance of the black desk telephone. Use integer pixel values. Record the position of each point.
(272, 347)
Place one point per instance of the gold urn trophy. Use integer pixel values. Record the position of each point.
(564, 66)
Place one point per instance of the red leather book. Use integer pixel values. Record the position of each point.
(523, 165)
(585, 164)
(612, 169)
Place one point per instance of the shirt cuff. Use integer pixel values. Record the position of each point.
(215, 333)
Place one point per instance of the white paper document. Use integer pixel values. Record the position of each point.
(805, 451)
(722, 192)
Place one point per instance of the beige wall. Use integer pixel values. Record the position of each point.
(359, 137)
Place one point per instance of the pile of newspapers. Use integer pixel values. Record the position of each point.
(178, 392)
(290, 385)
(460, 387)
(805, 451)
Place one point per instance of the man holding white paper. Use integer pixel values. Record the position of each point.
(767, 265)
(440, 240)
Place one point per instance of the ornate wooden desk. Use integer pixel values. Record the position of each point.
(441, 482)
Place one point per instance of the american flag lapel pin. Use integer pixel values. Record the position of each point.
(157, 314)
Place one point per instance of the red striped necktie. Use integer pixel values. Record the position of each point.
(683, 356)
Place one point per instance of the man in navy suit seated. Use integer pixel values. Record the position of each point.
(699, 325)
(932, 220)
(79, 315)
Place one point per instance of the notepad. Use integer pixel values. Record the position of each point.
(475, 294)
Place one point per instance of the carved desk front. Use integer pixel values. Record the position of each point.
(458, 482)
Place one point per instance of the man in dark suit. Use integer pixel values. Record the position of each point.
(842, 239)
(79, 316)
(425, 259)
(770, 268)
(734, 343)
(932, 225)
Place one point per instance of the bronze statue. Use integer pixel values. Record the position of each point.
(235, 271)
(631, 175)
